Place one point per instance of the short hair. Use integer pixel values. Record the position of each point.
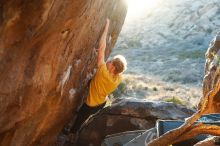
(120, 64)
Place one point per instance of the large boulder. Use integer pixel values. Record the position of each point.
(128, 115)
(212, 70)
(47, 57)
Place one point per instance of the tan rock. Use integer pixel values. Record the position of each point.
(211, 77)
(206, 142)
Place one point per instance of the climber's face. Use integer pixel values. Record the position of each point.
(110, 66)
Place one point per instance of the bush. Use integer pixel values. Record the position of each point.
(196, 54)
(120, 90)
(175, 100)
(155, 89)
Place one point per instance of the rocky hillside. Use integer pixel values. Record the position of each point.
(46, 61)
(170, 40)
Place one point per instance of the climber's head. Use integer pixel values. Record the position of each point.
(117, 65)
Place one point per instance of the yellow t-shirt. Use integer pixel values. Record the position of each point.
(102, 84)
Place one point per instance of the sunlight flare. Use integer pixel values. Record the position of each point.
(137, 8)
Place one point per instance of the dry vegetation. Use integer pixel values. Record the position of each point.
(188, 129)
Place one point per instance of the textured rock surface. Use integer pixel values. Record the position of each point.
(212, 70)
(46, 60)
(126, 115)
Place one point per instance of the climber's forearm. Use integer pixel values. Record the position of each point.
(102, 44)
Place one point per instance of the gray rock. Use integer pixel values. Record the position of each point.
(128, 115)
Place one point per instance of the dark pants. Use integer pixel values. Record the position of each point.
(84, 112)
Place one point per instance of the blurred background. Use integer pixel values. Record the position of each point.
(164, 42)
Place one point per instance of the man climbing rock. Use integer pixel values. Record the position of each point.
(105, 81)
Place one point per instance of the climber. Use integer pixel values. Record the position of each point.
(106, 80)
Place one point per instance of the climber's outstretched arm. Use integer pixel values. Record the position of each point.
(102, 45)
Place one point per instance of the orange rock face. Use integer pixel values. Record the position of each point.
(211, 78)
(47, 57)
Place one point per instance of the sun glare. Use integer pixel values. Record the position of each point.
(138, 7)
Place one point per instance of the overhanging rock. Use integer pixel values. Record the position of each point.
(47, 57)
